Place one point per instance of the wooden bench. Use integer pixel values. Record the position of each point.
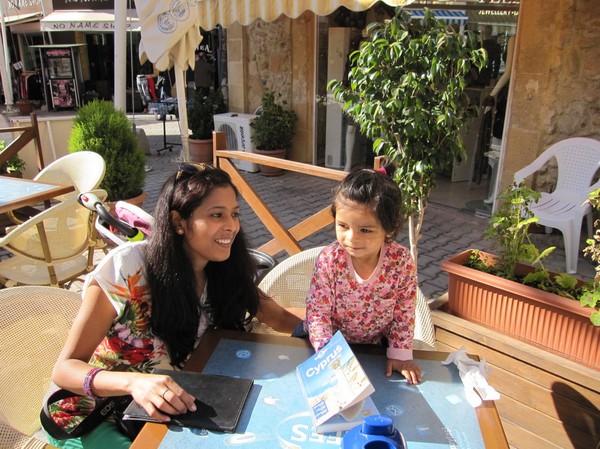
(546, 401)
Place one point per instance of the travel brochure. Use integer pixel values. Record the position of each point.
(335, 387)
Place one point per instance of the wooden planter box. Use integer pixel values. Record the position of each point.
(549, 321)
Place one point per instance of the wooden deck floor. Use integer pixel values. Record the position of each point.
(546, 401)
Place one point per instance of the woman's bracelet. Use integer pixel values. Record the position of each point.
(87, 382)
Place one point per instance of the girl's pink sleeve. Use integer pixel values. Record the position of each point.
(401, 330)
(319, 305)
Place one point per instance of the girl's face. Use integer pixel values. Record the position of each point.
(358, 231)
(209, 232)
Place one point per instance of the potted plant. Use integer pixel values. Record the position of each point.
(99, 127)
(24, 105)
(405, 90)
(527, 302)
(201, 124)
(15, 166)
(273, 131)
(591, 297)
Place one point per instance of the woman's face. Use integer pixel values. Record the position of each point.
(209, 232)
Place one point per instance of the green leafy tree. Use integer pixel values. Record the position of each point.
(405, 90)
(99, 127)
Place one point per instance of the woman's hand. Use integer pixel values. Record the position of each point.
(408, 368)
(159, 393)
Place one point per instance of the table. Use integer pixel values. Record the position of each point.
(18, 192)
(209, 358)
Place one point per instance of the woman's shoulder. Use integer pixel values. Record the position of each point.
(129, 254)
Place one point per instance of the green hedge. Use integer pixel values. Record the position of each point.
(99, 127)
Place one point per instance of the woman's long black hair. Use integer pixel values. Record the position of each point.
(232, 293)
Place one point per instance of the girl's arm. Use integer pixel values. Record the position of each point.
(319, 306)
(91, 325)
(400, 332)
(277, 317)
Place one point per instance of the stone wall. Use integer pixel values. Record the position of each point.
(556, 82)
(278, 56)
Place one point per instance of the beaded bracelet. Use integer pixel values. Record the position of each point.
(87, 382)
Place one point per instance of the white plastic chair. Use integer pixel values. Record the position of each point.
(288, 284)
(82, 169)
(578, 160)
(52, 248)
(34, 323)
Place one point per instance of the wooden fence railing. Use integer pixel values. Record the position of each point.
(28, 133)
(283, 239)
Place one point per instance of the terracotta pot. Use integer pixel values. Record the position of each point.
(136, 201)
(265, 170)
(25, 106)
(551, 322)
(13, 174)
(201, 150)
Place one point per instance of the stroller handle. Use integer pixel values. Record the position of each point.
(90, 201)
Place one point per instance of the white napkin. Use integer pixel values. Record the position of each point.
(474, 377)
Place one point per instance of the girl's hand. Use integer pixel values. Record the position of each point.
(158, 393)
(408, 368)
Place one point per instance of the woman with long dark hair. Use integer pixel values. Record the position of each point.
(147, 304)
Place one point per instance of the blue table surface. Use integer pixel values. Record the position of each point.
(14, 189)
(433, 414)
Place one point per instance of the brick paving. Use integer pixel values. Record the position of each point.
(293, 197)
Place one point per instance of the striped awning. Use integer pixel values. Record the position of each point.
(449, 16)
(164, 25)
(227, 12)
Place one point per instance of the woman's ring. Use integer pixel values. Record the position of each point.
(164, 392)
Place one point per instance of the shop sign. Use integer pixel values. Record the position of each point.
(82, 25)
(85, 4)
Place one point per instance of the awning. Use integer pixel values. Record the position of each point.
(449, 16)
(22, 18)
(227, 12)
(170, 30)
(100, 21)
(496, 18)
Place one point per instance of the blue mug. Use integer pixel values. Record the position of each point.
(376, 432)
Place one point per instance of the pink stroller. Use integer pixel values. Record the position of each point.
(131, 223)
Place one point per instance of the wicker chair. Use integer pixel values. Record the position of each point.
(34, 323)
(288, 284)
(84, 170)
(52, 248)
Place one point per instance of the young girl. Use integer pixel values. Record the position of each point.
(147, 305)
(365, 283)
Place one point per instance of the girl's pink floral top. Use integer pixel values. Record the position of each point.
(130, 344)
(365, 310)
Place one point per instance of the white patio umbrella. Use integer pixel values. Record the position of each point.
(170, 34)
(171, 30)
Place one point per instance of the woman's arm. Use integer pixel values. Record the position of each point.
(277, 317)
(91, 325)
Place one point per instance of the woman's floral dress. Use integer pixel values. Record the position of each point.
(129, 345)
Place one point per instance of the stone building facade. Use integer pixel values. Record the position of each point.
(554, 89)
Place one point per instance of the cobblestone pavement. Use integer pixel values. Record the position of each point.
(293, 197)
